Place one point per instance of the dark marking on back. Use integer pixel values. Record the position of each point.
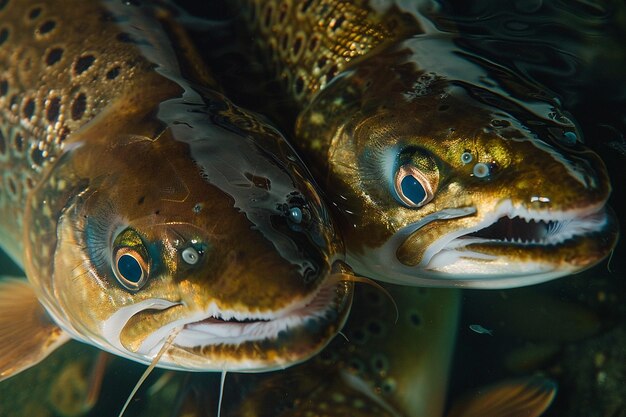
(28, 109)
(4, 87)
(34, 13)
(113, 73)
(52, 109)
(79, 106)
(83, 63)
(53, 56)
(4, 35)
(47, 27)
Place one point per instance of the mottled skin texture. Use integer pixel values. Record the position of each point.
(93, 143)
(374, 96)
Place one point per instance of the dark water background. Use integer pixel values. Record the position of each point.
(572, 329)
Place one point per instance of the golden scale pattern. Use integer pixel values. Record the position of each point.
(314, 40)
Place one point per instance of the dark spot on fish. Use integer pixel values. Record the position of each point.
(198, 208)
(14, 101)
(4, 88)
(113, 73)
(4, 35)
(267, 19)
(380, 363)
(284, 41)
(415, 319)
(30, 183)
(306, 5)
(54, 56)
(332, 72)
(297, 44)
(388, 386)
(282, 13)
(18, 142)
(299, 87)
(83, 63)
(53, 108)
(79, 105)
(47, 27)
(259, 182)
(443, 107)
(29, 108)
(3, 144)
(356, 365)
(336, 23)
(3, 4)
(141, 200)
(12, 185)
(375, 328)
(313, 43)
(321, 63)
(34, 13)
(36, 156)
(157, 212)
(359, 336)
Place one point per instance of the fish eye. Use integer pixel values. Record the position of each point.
(190, 255)
(130, 269)
(129, 263)
(412, 187)
(466, 157)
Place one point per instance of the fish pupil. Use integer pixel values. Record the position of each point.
(412, 189)
(129, 268)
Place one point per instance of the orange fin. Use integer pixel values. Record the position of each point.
(524, 397)
(27, 335)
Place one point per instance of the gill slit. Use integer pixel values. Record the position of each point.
(164, 348)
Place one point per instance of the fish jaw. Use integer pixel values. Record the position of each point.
(520, 172)
(217, 339)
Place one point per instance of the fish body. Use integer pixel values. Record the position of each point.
(445, 169)
(145, 207)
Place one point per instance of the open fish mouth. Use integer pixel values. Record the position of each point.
(516, 241)
(214, 339)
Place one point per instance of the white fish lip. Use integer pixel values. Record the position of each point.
(548, 228)
(230, 327)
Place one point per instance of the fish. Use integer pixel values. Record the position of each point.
(153, 218)
(394, 361)
(443, 168)
(477, 328)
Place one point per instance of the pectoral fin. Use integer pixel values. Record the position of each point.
(27, 335)
(524, 397)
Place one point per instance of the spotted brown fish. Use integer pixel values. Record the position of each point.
(145, 207)
(446, 169)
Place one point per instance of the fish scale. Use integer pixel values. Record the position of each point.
(427, 150)
(147, 204)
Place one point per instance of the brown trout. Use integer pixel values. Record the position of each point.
(145, 207)
(445, 169)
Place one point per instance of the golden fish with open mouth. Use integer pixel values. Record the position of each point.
(151, 215)
(445, 169)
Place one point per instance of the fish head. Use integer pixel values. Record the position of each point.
(448, 182)
(150, 244)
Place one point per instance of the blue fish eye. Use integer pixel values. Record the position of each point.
(570, 138)
(295, 215)
(466, 157)
(129, 268)
(412, 187)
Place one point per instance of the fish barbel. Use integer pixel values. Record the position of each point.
(446, 169)
(143, 204)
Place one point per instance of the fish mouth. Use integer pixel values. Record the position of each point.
(215, 339)
(517, 242)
